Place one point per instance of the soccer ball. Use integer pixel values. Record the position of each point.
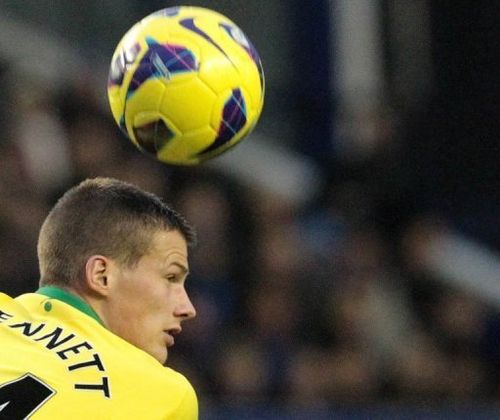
(185, 84)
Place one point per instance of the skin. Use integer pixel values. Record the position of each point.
(147, 303)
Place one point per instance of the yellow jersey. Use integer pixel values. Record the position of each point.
(57, 361)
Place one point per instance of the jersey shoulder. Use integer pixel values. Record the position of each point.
(174, 392)
(9, 303)
(187, 407)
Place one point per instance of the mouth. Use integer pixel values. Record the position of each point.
(169, 334)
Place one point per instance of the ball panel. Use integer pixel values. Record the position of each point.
(145, 101)
(162, 61)
(188, 104)
(116, 103)
(184, 150)
(153, 136)
(219, 74)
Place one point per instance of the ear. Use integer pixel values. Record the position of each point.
(96, 274)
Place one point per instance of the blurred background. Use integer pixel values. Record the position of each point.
(348, 264)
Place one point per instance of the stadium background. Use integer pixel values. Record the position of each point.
(348, 261)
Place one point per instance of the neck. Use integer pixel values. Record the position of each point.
(71, 297)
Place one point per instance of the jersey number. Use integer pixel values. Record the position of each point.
(22, 397)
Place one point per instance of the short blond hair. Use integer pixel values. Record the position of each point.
(102, 216)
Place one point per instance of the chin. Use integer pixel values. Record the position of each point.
(161, 356)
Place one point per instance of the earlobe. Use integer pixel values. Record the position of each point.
(96, 274)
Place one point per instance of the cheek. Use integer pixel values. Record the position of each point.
(141, 319)
(143, 296)
(137, 302)
(155, 301)
(150, 305)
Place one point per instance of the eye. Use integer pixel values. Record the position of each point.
(172, 278)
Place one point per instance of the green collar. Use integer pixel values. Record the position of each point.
(70, 299)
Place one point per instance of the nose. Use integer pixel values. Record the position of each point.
(185, 308)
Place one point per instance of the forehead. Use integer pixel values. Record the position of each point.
(168, 242)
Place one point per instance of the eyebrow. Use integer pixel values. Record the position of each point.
(183, 268)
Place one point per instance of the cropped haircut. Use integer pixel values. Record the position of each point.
(102, 216)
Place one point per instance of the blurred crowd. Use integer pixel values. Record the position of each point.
(320, 305)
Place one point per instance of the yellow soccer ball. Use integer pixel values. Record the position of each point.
(185, 84)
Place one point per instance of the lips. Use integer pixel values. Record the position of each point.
(169, 334)
(169, 339)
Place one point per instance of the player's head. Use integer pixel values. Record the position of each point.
(126, 253)
(102, 216)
